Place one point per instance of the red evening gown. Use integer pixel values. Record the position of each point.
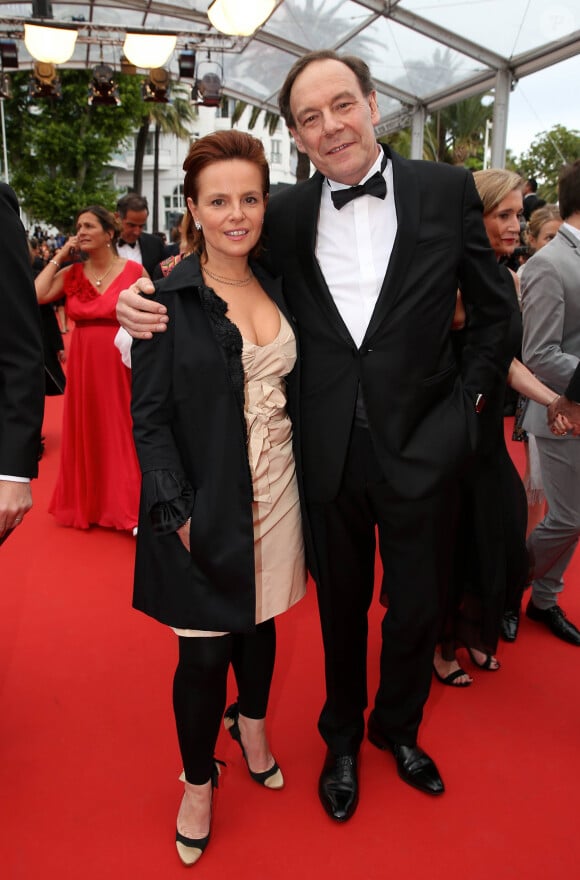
(99, 478)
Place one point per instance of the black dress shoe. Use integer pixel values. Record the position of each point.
(509, 626)
(414, 766)
(338, 786)
(555, 619)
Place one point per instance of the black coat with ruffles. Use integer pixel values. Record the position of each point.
(190, 435)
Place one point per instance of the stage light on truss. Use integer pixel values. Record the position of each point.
(103, 89)
(208, 90)
(186, 62)
(8, 54)
(44, 82)
(5, 85)
(157, 86)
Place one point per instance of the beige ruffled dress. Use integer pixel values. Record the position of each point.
(278, 544)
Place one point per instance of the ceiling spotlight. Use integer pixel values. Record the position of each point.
(5, 85)
(148, 50)
(239, 19)
(44, 83)
(8, 53)
(209, 90)
(51, 44)
(186, 62)
(157, 87)
(103, 89)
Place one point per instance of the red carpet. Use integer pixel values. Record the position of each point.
(89, 760)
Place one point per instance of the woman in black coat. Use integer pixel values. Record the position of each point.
(219, 549)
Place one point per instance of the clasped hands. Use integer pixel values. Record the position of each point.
(564, 416)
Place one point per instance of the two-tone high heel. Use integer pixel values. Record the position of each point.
(190, 849)
(271, 778)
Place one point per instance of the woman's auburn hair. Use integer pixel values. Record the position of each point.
(220, 146)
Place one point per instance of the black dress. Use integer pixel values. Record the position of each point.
(52, 344)
(490, 565)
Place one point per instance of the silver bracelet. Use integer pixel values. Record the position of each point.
(54, 263)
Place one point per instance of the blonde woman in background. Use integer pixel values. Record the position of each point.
(491, 559)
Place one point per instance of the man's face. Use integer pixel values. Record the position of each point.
(334, 121)
(132, 225)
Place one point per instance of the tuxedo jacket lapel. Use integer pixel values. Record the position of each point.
(306, 218)
(407, 204)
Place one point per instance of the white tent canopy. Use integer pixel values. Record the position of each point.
(423, 54)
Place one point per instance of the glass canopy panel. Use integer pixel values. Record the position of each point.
(387, 105)
(258, 71)
(409, 61)
(508, 28)
(316, 24)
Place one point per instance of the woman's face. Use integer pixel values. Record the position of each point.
(90, 233)
(230, 207)
(546, 234)
(503, 224)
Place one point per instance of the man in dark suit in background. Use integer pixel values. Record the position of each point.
(372, 250)
(531, 197)
(134, 244)
(21, 369)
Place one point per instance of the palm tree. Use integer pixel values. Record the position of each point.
(454, 135)
(170, 118)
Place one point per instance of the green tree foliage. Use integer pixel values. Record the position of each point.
(59, 149)
(545, 157)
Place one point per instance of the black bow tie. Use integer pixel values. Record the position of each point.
(374, 186)
(131, 244)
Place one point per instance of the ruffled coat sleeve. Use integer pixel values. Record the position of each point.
(168, 498)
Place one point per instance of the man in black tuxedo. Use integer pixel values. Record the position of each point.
(21, 369)
(372, 250)
(134, 244)
(531, 197)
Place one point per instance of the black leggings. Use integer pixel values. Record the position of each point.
(199, 689)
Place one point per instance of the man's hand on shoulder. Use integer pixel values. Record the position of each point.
(141, 317)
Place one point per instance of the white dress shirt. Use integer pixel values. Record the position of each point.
(353, 248)
(130, 253)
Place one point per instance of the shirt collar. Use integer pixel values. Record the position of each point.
(573, 229)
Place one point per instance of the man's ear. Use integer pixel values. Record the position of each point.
(374, 107)
(297, 140)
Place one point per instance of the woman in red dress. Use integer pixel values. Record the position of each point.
(99, 478)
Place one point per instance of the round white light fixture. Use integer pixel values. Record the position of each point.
(148, 50)
(53, 45)
(239, 19)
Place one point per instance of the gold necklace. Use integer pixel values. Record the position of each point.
(243, 283)
(99, 281)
